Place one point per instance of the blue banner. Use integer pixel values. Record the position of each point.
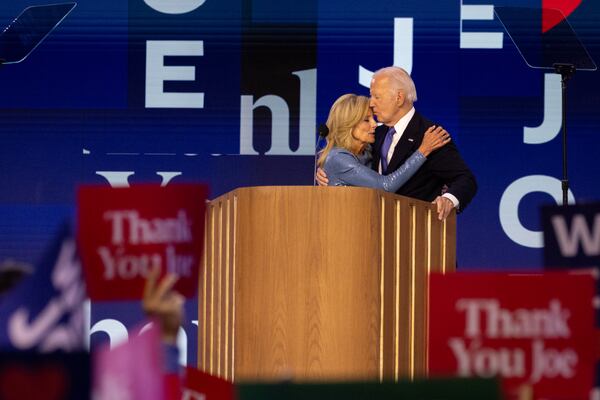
(44, 311)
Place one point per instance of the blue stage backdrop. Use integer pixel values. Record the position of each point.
(230, 92)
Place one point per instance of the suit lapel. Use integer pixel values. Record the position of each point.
(408, 143)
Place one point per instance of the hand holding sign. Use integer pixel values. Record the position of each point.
(126, 233)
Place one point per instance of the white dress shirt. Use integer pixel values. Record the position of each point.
(400, 127)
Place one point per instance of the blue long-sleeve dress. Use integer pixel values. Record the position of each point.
(345, 169)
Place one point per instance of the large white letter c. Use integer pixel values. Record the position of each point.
(509, 207)
(174, 6)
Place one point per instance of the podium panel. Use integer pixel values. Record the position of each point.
(318, 283)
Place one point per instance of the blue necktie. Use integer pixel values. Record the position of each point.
(385, 148)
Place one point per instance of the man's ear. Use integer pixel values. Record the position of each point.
(400, 98)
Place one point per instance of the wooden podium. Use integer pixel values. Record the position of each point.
(318, 283)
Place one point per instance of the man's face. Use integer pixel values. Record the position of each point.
(385, 102)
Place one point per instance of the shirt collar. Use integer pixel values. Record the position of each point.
(401, 125)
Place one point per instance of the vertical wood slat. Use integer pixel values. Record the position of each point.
(412, 290)
(233, 234)
(402, 238)
(407, 234)
(384, 256)
(218, 360)
(203, 296)
(397, 288)
(420, 288)
(210, 294)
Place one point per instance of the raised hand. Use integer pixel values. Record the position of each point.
(434, 138)
(163, 303)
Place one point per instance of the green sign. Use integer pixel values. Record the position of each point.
(426, 389)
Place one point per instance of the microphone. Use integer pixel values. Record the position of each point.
(323, 130)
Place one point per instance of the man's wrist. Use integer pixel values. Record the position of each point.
(452, 198)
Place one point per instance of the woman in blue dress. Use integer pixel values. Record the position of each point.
(346, 157)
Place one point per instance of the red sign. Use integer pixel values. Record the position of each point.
(534, 331)
(125, 232)
(202, 386)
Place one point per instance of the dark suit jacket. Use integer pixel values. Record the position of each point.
(443, 167)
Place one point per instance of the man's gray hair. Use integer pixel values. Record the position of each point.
(401, 80)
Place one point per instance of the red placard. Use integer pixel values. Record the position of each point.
(535, 331)
(124, 232)
(200, 385)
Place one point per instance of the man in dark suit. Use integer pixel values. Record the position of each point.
(444, 179)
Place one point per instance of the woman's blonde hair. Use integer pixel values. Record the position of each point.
(345, 113)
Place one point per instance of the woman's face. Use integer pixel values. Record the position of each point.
(364, 131)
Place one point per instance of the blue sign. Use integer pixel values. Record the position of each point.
(571, 236)
(44, 312)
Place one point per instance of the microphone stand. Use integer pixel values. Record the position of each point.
(323, 132)
(566, 71)
(317, 146)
